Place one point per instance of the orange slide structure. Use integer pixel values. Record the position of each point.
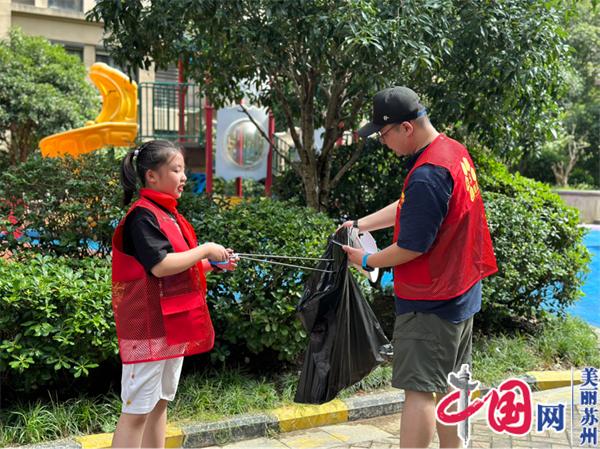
(115, 125)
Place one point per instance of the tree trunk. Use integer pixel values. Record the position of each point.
(315, 169)
(311, 191)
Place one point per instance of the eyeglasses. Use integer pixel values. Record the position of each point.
(381, 136)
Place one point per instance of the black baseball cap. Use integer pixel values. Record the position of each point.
(393, 105)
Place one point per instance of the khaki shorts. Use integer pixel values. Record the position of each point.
(427, 348)
(144, 384)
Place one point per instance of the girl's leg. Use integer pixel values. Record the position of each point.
(156, 426)
(129, 431)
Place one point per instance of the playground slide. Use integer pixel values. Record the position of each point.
(115, 125)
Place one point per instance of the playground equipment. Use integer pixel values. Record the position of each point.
(115, 125)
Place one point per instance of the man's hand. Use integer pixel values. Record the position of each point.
(355, 255)
(346, 224)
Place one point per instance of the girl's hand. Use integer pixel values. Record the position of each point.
(228, 265)
(216, 252)
(231, 264)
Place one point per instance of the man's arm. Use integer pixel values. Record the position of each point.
(383, 218)
(426, 205)
(389, 257)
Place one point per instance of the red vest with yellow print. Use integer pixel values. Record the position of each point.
(462, 253)
(159, 318)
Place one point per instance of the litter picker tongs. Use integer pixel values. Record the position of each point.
(264, 258)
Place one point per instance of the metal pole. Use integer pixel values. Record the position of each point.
(275, 256)
(181, 90)
(208, 146)
(284, 264)
(269, 180)
(240, 159)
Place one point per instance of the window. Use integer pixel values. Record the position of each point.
(75, 51)
(103, 56)
(71, 48)
(25, 2)
(71, 5)
(171, 75)
(165, 95)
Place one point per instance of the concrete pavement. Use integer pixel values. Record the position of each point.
(383, 432)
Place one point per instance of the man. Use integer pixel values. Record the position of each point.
(441, 251)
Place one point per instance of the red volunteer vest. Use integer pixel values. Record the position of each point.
(159, 318)
(462, 253)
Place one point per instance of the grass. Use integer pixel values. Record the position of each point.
(560, 344)
(218, 394)
(38, 421)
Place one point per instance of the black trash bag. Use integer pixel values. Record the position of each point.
(346, 340)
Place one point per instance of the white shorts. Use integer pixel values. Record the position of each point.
(144, 384)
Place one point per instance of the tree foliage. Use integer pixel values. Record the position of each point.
(537, 239)
(42, 91)
(486, 68)
(584, 107)
(575, 150)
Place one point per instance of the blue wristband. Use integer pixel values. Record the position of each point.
(364, 262)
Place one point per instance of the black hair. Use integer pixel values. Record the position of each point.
(148, 156)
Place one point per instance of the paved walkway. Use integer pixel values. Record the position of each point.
(383, 432)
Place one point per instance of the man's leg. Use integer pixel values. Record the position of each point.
(156, 425)
(414, 351)
(418, 419)
(462, 335)
(426, 349)
(129, 431)
(448, 434)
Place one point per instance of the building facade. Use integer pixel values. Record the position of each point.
(62, 22)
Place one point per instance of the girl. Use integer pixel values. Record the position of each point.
(159, 291)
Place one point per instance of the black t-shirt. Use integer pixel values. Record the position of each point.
(143, 239)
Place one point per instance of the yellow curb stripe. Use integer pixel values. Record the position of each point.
(297, 417)
(96, 441)
(475, 394)
(174, 436)
(173, 439)
(546, 380)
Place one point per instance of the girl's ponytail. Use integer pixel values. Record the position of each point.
(128, 177)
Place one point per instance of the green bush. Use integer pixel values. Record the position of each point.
(55, 319)
(536, 237)
(56, 310)
(538, 245)
(253, 308)
(65, 201)
(208, 395)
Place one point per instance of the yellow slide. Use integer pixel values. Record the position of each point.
(116, 124)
